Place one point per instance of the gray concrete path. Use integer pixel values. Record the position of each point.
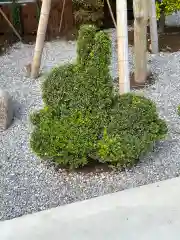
(147, 212)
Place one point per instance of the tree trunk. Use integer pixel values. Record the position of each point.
(41, 34)
(153, 27)
(140, 41)
(162, 22)
(122, 41)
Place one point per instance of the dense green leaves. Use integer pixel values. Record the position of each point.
(88, 12)
(83, 117)
(133, 128)
(167, 6)
(85, 43)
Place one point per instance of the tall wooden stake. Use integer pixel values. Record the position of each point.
(10, 24)
(153, 26)
(111, 13)
(140, 8)
(41, 34)
(122, 41)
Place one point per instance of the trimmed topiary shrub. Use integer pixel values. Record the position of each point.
(133, 128)
(84, 119)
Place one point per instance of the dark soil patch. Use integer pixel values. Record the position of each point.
(5, 42)
(134, 85)
(169, 41)
(93, 166)
(149, 81)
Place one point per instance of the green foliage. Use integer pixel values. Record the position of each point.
(168, 6)
(88, 12)
(83, 117)
(38, 10)
(88, 4)
(133, 128)
(58, 85)
(68, 139)
(85, 43)
(178, 110)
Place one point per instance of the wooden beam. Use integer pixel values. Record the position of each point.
(153, 26)
(140, 8)
(40, 38)
(122, 42)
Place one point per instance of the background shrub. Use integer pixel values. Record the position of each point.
(83, 117)
(88, 12)
(167, 6)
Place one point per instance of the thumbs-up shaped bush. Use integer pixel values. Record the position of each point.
(85, 120)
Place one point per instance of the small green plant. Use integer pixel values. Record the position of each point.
(83, 118)
(178, 110)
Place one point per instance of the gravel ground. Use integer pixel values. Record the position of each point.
(27, 185)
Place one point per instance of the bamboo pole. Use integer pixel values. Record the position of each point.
(41, 34)
(140, 8)
(10, 24)
(153, 27)
(62, 14)
(122, 42)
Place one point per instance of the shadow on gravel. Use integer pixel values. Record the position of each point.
(18, 109)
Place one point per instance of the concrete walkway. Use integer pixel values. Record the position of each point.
(148, 212)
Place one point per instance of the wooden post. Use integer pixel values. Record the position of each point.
(140, 8)
(62, 15)
(41, 34)
(122, 42)
(153, 26)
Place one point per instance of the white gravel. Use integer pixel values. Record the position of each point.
(27, 185)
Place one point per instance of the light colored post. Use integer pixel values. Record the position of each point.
(141, 13)
(153, 26)
(41, 34)
(122, 42)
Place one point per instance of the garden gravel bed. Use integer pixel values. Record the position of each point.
(28, 185)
